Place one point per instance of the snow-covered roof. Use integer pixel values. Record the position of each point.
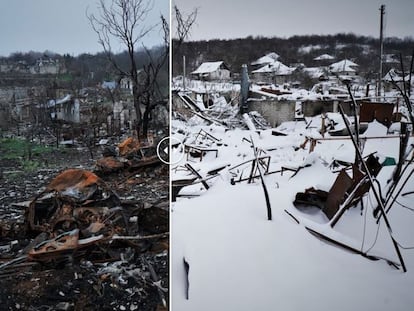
(324, 57)
(343, 65)
(267, 59)
(208, 67)
(276, 68)
(392, 75)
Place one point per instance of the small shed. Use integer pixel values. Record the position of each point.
(212, 71)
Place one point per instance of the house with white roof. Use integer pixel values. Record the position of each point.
(265, 60)
(344, 67)
(275, 72)
(394, 77)
(212, 71)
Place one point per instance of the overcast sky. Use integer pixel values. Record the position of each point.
(225, 19)
(57, 25)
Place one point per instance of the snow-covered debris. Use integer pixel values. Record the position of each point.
(315, 72)
(375, 129)
(224, 231)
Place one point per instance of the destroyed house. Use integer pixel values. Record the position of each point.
(47, 66)
(66, 108)
(277, 107)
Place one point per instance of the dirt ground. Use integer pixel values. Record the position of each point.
(121, 276)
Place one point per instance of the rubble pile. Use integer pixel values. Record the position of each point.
(131, 155)
(90, 240)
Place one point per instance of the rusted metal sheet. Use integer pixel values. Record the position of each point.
(75, 183)
(382, 112)
(63, 244)
(128, 146)
(49, 249)
(55, 208)
(344, 193)
(336, 196)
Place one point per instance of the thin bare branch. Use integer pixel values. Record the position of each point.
(184, 23)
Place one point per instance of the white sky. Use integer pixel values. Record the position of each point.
(57, 25)
(225, 19)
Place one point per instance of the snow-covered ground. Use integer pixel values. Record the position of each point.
(238, 260)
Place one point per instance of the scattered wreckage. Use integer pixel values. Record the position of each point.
(353, 182)
(80, 217)
(347, 192)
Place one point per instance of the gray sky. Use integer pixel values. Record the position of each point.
(225, 19)
(57, 25)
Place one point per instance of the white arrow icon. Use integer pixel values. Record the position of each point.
(166, 151)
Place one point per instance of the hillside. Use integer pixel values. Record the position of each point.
(296, 49)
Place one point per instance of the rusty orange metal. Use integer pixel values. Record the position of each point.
(55, 207)
(382, 112)
(49, 249)
(73, 178)
(64, 244)
(128, 146)
(336, 195)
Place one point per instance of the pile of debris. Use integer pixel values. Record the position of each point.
(131, 154)
(220, 113)
(90, 242)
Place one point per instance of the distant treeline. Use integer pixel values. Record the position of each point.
(297, 49)
(90, 69)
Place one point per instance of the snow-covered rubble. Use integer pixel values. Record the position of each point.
(227, 256)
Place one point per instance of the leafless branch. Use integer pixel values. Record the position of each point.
(126, 22)
(184, 24)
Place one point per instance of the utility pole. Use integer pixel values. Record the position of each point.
(244, 89)
(382, 10)
(184, 73)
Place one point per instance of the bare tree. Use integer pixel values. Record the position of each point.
(150, 89)
(126, 21)
(184, 23)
